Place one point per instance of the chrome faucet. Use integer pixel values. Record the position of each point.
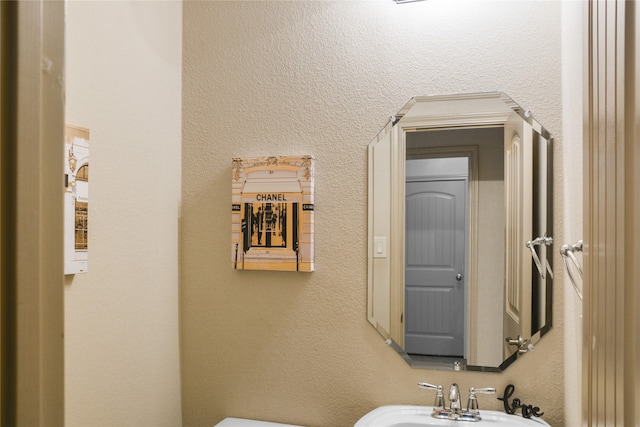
(455, 412)
(454, 398)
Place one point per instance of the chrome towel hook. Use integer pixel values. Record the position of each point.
(540, 241)
(567, 252)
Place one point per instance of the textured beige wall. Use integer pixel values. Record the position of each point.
(322, 78)
(121, 318)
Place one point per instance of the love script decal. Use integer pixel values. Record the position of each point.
(527, 410)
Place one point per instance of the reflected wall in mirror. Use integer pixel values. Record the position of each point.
(460, 232)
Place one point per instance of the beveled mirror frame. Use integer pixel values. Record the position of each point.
(386, 258)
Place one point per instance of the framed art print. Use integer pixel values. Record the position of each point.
(76, 199)
(272, 213)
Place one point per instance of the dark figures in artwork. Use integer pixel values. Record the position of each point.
(283, 225)
(268, 225)
(258, 225)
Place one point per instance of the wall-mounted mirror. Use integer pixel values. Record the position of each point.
(460, 232)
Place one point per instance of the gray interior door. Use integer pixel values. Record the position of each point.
(434, 267)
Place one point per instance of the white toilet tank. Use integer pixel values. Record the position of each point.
(239, 422)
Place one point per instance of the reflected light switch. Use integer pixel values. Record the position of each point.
(380, 247)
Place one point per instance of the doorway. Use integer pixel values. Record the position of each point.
(436, 212)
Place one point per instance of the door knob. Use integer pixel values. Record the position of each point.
(458, 277)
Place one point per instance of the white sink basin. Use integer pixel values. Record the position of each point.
(420, 416)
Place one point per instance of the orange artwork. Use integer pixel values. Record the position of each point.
(76, 199)
(272, 213)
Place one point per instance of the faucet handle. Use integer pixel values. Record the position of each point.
(486, 390)
(472, 403)
(438, 404)
(429, 386)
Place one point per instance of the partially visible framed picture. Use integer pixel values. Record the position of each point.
(76, 200)
(272, 213)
